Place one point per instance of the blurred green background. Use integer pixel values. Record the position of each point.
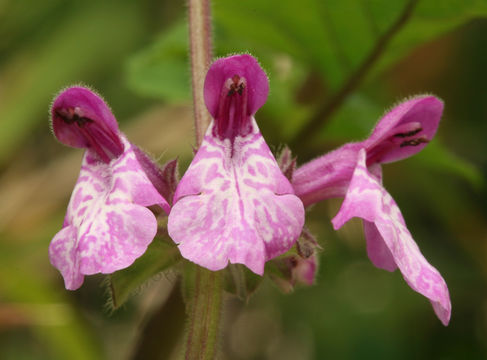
(372, 53)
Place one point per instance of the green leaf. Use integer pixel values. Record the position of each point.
(436, 156)
(431, 19)
(335, 37)
(159, 256)
(293, 28)
(162, 70)
(354, 121)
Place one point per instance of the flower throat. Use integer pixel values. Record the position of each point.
(232, 118)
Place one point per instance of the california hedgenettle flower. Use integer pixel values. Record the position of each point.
(354, 172)
(233, 204)
(107, 223)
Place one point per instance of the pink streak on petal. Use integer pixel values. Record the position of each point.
(377, 250)
(223, 212)
(327, 176)
(114, 237)
(384, 145)
(107, 224)
(62, 254)
(243, 65)
(367, 199)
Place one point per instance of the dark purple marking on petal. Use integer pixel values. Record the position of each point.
(80, 118)
(405, 130)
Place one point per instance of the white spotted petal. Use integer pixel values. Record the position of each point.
(107, 225)
(389, 240)
(234, 205)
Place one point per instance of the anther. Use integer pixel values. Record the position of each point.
(409, 133)
(71, 115)
(232, 118)
(414, 142)
(236, 86)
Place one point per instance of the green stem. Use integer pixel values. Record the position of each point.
(204, 298)
(328, 109)
(201, 55)
(204, 312)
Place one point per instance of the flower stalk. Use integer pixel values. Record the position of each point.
(201, 55)
(204, 312)
(205, 300)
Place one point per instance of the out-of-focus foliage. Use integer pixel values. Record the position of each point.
(159, 257)
(37, 303)
(86, 41)
(135, 55)
(331, 39)
(334, 37)
(162, 71)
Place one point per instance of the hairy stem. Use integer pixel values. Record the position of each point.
(204, 288)
(201, 55)
(204, 312)
(328, 109)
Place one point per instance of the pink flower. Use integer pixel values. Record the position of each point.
(354, 172)
(107, 224)
(233, 204)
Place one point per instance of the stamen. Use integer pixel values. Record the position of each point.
(232, 118)
(407, 129)
(402, 137)
(97, 136)
(414, 142)
(408, 134)
(236, 86)
(72, 115)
